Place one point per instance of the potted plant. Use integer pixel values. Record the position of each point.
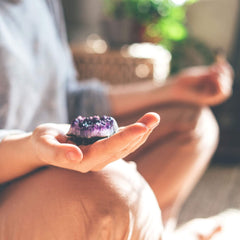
(158, 21)
(154, 20)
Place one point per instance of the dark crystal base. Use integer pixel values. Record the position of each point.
(84, 141)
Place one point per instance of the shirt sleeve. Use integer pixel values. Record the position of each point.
(4, 106)
(89, 97)
(86, 97)
(4, 97)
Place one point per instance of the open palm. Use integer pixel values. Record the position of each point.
(52, 147)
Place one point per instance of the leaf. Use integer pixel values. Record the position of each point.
(172, 29)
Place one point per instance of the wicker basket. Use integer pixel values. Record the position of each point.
(112, 67)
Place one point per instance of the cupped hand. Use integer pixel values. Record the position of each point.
(52, 147)
(205, 85)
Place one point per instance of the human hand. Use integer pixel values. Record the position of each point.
(52, 147)
(205, 85)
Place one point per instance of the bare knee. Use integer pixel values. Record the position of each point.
(71, 205)
(87, 205)
(113, 203)
(197, 124)
(204, 130)
(207, 128)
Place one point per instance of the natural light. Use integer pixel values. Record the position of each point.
(178, 2)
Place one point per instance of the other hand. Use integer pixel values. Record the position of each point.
(205, 85)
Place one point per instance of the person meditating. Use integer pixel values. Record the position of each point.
(53, 189)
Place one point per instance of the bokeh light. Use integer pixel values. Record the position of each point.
(179, 2)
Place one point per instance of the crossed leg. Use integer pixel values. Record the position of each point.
(52, 203)
(176, 154)
(115, 203)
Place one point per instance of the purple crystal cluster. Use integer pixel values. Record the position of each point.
(87, 130)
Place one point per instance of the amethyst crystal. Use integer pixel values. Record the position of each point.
(87, 130)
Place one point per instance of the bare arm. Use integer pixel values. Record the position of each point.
(136, 96)
(48, 145)
(196, 85)
(17, 157)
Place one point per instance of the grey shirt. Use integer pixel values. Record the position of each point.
(37, 78)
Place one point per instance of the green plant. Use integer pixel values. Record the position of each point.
(162, 20)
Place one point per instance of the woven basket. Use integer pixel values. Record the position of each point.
(112, 67)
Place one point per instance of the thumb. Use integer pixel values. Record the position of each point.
(55, 152)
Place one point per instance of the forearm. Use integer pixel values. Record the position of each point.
(134, 97)
(17, 157)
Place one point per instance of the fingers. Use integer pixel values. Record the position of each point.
(151, 120)
(55, 153)
(50, 143)
(121, 139)
(131, 147)
(223, 63)
(222, 75)
(205, 85)
(216, 84)
(223, 67)
(111, 149)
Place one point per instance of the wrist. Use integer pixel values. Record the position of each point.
(169, 92)
(34, 157)
(18, 157)
(177, 93)
(24, 149)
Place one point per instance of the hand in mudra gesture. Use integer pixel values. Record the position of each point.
(205, 85)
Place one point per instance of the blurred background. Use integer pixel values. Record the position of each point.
(188, 32)
(191, 30)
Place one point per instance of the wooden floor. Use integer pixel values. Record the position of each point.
(218, 190)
